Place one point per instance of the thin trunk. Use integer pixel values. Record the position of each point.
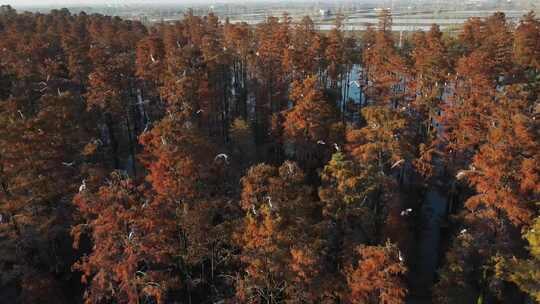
(212, 263)
(131, 145)
(112, 139)
(244, 90)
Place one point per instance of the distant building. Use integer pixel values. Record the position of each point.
(325, 12)
(144, 19)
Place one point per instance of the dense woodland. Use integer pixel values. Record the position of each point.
(207, 162)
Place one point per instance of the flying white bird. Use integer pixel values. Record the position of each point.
(321, 142)
(223, 156)
(463, 231)
(336, 146)
(253, 210)
(269, 199)
(406, 212)
(97, 142)
(131, 235)
(356, 83)
(462, 174)
(142, 273)
(200, 111)
(398, 163)
(83, 186)
(152, 58)
(68, 164)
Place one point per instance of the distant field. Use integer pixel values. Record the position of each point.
(402, 21)
(358, 17)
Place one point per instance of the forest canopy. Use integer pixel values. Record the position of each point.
(203, 161)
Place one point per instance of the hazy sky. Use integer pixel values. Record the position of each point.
(16, 3)
(53, 2)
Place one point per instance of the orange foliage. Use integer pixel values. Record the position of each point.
(378, 277)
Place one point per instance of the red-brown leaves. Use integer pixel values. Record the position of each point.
(277, 241)
(378, 277)
(526, 45)
(177, 157)
(113, 217)
(386, 70)
(386, 139)
(312, 123)
(506, 166)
